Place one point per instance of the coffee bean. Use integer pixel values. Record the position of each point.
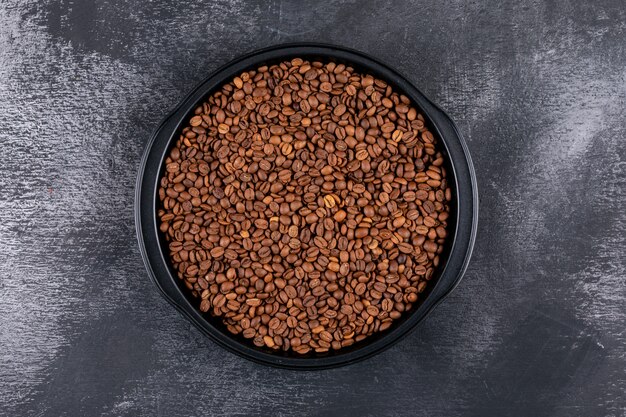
(429, 221)
(253, 302)
(360, 288)
(269, 341)
(362, 155)
(405, 247)
(430, 246)
(195, 121)
(217, 252)
(329, 201)
(306, 205)
(339, 109)
(340, 216)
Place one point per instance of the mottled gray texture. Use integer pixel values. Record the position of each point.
(537, 328)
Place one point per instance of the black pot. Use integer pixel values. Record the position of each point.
(456, 255)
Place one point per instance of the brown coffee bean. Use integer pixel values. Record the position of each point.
(269, 341)
(360, 288)
(195, 121)
(429, 221)
(362, 154)
(421, 230)
(340, 216)
(340, 109)
(253, 302)
(291, 291)
(405, 247)
(430, 246)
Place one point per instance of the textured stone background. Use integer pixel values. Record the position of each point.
(537, 327)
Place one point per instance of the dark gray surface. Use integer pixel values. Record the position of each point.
(537, 328)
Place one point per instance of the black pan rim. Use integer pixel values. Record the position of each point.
(464, 233)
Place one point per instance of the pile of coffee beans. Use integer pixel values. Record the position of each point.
(306, 205)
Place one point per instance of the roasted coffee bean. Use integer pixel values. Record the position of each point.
(306, 205)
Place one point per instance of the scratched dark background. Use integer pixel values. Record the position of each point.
(536, 328)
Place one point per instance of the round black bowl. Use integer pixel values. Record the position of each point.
(455, 256)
